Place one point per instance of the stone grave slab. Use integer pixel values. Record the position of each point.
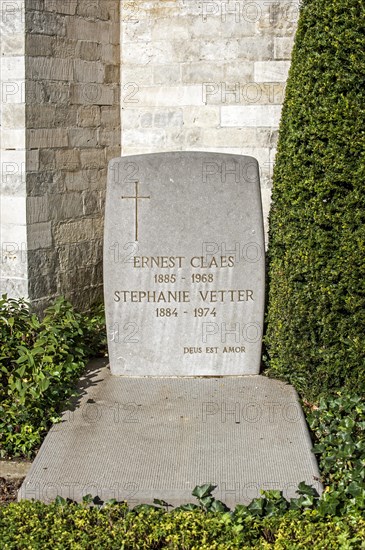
(139, 438)
(184, 265)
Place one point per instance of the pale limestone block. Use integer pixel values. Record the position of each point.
(144, 137)
(162, 27)
(131, 118)
(14, 287)
(170, 96)
(12, 138)
(168, 118)
(203, 29)
(203, 117)
(47, 137)
(12, 91)
(251, 115)
(283, 47)
(38, 209)
(12, 17)
(12, 68)
(264, 93)
(218, 49)
(184, 51)
(166, 74)
(138, 74)
(237, 26)
(136, 31)
(13, 260)
(199, 72)
(157, 118)
(236, 137)
(12, 45)
(14, 237)
(13, 116)
(12, 210)
(239, 71)
(183, 139)
(278, 18)
(148, 52)
(13, 171)
(271, 71)
(254, 48)
(39, 235)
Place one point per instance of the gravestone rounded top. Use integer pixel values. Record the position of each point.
(184, 266)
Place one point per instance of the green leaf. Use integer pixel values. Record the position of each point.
(218, 506)
(304, 489)
(202, 491)
(256, 506)
(187, 507)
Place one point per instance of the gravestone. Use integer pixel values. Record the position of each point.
(184, 267)
(184, 296)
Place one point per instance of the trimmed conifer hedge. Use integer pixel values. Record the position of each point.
(315, 334)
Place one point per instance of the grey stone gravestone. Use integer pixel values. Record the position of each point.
(184, 265)
(184, 293)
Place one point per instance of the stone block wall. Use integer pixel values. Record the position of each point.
(196, 75)
(206, 75)
(72, 130)
(13, 229)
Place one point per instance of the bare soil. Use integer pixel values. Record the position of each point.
(9, 489)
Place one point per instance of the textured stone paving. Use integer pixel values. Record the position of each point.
(137, 439)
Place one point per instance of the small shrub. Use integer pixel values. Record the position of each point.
(316, 310)
(32, 525)
(40, 361)
(338, 426)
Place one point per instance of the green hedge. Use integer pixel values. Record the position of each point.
(316, 314)
(40, 363)
(33, 525)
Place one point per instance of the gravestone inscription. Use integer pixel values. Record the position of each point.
(184, 266)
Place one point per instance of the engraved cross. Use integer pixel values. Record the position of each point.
(136, 197)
